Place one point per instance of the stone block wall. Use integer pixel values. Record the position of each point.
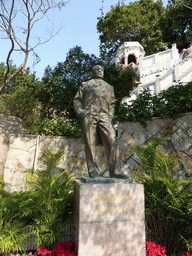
(8, 124)
(133, 134)
(24, 151)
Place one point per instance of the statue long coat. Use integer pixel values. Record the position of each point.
(95, 96)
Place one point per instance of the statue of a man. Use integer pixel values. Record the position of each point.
(95, 103)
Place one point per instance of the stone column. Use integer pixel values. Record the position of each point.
(157, 85)
(109, 218)
(177, 73)
(125, 61)
(175, 52)
(137, 60)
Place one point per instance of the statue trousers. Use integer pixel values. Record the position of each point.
(100, 125)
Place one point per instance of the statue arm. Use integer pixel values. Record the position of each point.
(112, 103)
(77, 102)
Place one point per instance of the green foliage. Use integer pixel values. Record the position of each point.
(168, 199)
(174, 101)
(62, 82)
(13, 69)
(51, 160)
(22, 103)
(171, 103)
(140, 109)
(12, 223)
(56, 127)
(46, 107)
(51, 201)
(122, 81)
(44, 208)
(2, 71)
(176, 23)
(147, 22)
(138, 21)
(20, 98)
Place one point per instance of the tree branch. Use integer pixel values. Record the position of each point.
(33, 11)
(11, 50)
(187, 6)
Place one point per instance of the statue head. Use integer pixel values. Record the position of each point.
(98, 72)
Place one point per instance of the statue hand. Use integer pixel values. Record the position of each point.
(84, 113)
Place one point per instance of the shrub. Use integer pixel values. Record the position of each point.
(50, 206)
(12, 223)
(56, 127)
(168, 200)
(140, 109)
(20, 99)
(171, 103)
(45, 208)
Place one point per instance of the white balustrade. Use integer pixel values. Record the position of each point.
(158, 71)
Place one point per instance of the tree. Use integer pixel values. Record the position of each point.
(137, 21)
(176, 24)
(62, 82)
(20, 97)
(17, 20)
(122, 80)
(188, 4)
(44, 105)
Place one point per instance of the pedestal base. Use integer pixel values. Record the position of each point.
(109, 218)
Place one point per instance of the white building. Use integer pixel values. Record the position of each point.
(158, 71)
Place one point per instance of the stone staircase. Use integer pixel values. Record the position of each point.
(162, 70)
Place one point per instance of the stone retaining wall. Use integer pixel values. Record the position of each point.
(8, 124)
(24, 150)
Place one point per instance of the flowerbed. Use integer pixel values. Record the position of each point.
(62, 249)
(153, 249)
(65, 249)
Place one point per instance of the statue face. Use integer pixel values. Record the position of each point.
(98, 72)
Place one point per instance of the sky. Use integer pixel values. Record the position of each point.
(78, 19)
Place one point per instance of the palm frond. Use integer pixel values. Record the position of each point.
(51, 160)
(168, 199)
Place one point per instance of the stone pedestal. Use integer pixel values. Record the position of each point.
(109, 218)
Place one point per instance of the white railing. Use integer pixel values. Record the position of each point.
(158, 62)
(180, 73)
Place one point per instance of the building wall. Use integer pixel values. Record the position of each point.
(22, 151)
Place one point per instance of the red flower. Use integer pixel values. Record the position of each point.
(154, 249)
(62, 249)
(43, 251)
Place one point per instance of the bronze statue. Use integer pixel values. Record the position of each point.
(95, 104)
